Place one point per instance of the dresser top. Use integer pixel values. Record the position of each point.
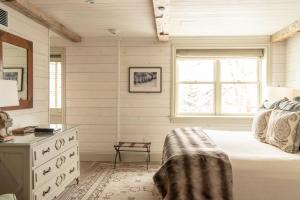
(34, 138)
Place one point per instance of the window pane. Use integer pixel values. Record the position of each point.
(58, 83)
(52, 85)
(239, 98)
(195, 70)
(55, 100)
(243, 69)
(196, 98)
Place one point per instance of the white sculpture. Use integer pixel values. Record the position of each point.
(5, 124)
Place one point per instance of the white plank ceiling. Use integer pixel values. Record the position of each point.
(134, 18)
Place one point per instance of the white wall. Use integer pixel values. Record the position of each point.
(92, 92)
(278, 63)
(39, 35)
(293, 61)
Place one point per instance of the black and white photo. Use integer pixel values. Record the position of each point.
(145, 79)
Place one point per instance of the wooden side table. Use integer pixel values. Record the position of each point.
(133, 147)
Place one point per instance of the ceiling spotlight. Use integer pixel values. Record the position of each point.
(161, 8)
(160, 12)
(114, 31)
(90, 1)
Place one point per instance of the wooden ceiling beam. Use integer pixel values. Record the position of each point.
(286, 32)
(31, 11)
(161, 15)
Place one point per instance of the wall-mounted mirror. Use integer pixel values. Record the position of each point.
(16, 64)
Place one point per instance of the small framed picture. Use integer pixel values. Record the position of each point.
(145, 79)
(14, 73)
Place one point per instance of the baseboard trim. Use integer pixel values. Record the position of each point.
(126, 157)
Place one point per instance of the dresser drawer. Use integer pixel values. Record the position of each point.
(52, 167)
(62, 179)
(48, 150)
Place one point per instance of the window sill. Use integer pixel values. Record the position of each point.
(195, 119)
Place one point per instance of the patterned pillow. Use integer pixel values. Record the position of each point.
(289, 106)
(260, 124)
(273, 104)
(283, 130)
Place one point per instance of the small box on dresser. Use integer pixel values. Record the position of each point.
(40, 167)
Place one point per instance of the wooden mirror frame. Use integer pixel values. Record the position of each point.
(20, 42)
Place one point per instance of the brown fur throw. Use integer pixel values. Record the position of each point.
(193, 168)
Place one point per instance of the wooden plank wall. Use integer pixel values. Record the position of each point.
(39, 35)
(293, 61)
(92, 92)
(278, 63)
(145, 117)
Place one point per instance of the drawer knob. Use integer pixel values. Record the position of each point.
(46, 151)
(46, 191)
(60, 161)
(63, 176)
(47, 171)
(58, 180)
(72, 170)
(72, 154)
(58, 144)
(71, 138)
(62, 140)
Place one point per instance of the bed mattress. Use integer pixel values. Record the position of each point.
(260, 171)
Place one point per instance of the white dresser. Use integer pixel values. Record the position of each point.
(40, 167)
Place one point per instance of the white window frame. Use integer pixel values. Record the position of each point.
(60, 51)
(264, 67)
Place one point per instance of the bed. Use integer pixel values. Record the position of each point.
(259, 171)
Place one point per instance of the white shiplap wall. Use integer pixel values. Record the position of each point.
(39, 35)
(147, 116)
(92, 74)
(91, 92)
(293, 62)
(278, 63)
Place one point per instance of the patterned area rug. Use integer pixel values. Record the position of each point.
(100, 181)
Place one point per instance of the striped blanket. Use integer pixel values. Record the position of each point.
(193, 168)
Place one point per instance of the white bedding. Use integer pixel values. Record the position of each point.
(260, 171)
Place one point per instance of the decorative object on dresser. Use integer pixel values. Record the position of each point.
(133, 147)
(40, 167)
(9, 88)
(52, 129)
(23, 131)
(145, 79)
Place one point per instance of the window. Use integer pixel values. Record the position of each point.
(220, 82)
(55, 84)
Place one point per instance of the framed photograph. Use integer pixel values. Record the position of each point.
(145, 79)
(14, 73)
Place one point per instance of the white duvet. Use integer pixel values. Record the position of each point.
(260, 171)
